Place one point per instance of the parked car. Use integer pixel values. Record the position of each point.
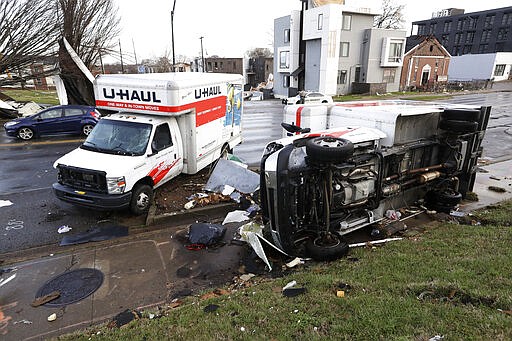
(309, 97)
(62, 119)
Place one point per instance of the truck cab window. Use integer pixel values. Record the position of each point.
(162, 138)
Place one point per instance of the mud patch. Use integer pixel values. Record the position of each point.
(454, 296)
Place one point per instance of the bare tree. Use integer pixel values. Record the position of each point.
(259, 52)
(90, 26)
(391, 17)
(28, 34)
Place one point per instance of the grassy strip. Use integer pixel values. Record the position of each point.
(38, 96)
(454, 280)
(413, 96)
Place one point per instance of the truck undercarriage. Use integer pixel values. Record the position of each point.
(318, 188)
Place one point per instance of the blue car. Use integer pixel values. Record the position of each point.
(62, 119)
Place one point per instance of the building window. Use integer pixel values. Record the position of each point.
(287, 35)
(460, 24)
(395, 52)
(483, 48)
(421, 30)
(284, 59)
(347, 22)
(456, 50)
(486, 35)
(502, 33)
(216, 65)
(499, 70)
(433, 28)
(344, 49)
(320, 21)
(447, 26)
(506, 19)
(222, 65)
(286, 81)
(342, 76)
(467, 49)
(470, 36)
(472, 22)
(209, 66)
(445, 39)
(234, 65)
(489, 20)
(388, 76)
(458, 38)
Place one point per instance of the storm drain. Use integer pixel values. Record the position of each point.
(73, 286)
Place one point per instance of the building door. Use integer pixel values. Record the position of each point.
(425, 75)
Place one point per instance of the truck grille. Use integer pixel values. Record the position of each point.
(83, 179)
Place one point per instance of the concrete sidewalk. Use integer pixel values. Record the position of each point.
(141, 271)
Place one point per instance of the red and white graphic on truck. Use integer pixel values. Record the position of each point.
(160, 171)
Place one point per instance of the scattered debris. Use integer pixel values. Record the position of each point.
(183, 272)
(251, 234)
(45, 299)
(236, 217)
(246, 277)
(289, 285)
(436, 338)
(64, 229)
(228, 190)
(23, 321)
(190, 204)
(294, 262)
(96, 234)
(205, 233)
(497, 189)
(458, 214)
(292, 292)
(508, 312)
(52, 317)
(124, 317)
(494, 178)
(393, 214)
(210, 308)
(4, 203)
(233, 174)
(369, 243)
(340, 293)
(214, 293)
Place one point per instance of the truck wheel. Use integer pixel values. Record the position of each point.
(469, 115)
(25, 133)
(448, 197)
(141, 199)
(329, 149)
(458, 126)
(325, 248)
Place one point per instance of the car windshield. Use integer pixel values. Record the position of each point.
(119, 137)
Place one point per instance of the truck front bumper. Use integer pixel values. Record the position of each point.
(91, 199)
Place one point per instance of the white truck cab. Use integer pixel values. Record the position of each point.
(163, 125)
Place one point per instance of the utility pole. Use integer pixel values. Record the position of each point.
(135, 53)
(202, 55)
(121, 54)
(172, 36)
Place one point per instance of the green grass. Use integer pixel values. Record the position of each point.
(452, 280)
(415, 96)
(38, 96)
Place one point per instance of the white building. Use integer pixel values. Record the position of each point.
(496, 65)
(333, 49)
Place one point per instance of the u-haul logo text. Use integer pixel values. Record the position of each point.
(131, 95)
(207, 92)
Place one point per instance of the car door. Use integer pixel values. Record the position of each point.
(167, 163)
(72, 120)
(48, 122)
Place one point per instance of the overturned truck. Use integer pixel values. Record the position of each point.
(342, 166)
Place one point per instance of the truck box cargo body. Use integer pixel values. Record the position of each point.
(163, 125)
(370, 159)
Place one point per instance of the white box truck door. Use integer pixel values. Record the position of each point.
(167, 156)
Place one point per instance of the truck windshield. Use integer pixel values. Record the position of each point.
(119, 137)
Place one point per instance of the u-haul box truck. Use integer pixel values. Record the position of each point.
(164, 124)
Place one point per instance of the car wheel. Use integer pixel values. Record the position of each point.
(458, 126)
(324, 102)
(25, 133)
(329, 149)
(461, 115)
(141, 199)
(86, 129)
(325, 248)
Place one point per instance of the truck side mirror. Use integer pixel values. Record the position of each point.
(294, 129)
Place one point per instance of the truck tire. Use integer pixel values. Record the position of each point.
(458, 126)
(329, 149)
(448, 198)
(327, 248)
(142, 197)
(469, 115)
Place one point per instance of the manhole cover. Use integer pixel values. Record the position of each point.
(73, 286)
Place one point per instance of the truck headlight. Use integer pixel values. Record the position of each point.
(116, 185)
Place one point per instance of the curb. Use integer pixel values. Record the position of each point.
(182, 217)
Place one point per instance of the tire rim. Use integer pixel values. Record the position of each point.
(330, 143)
(142, 201)
(87, 129)
(326, 242)
(25, 134)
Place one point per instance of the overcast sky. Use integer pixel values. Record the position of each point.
(231, 27)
